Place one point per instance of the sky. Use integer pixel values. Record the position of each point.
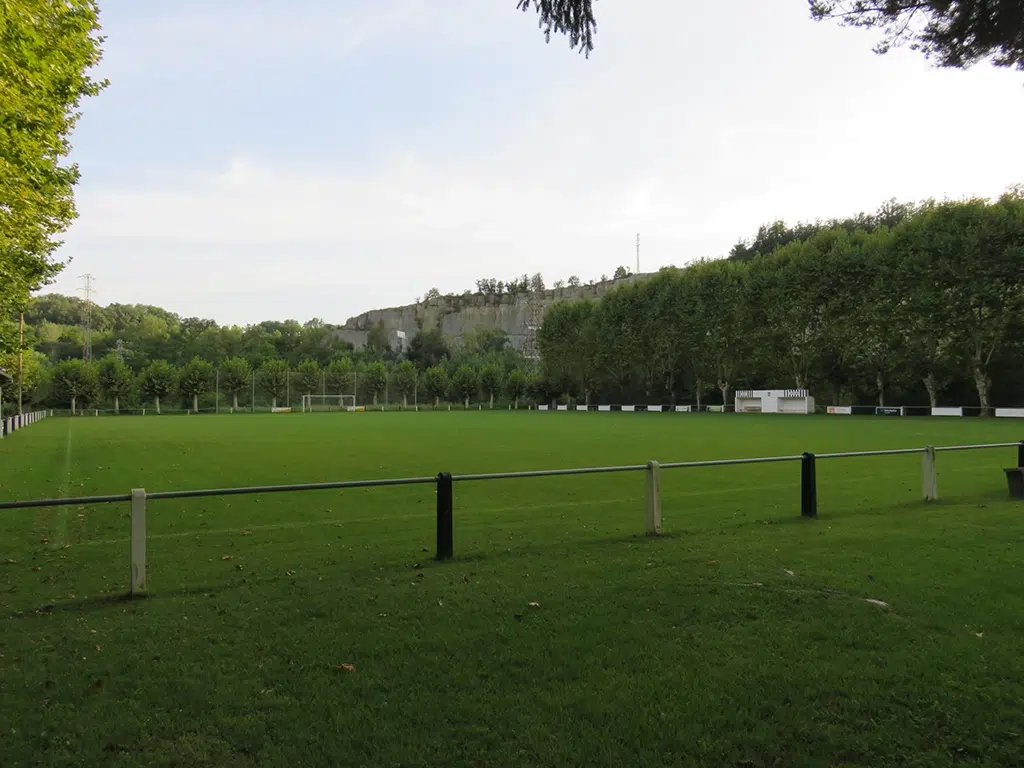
(256, 159)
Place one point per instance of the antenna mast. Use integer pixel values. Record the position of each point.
(638, 253)
(87, 292)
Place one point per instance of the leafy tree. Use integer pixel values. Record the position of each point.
(515, 385)
(235, 378)
(48, 49)
(465, 383)
(432, 295)
(621, 272)
(403, 379)
(116, 380)
(490, 381)
(310, 379)
(573, 18)
(955, 33)
(375, 380)
(157, 381)
(377, 341)
(74, 379)
(435, 383)
(537, 283)
(341, 377)
(574, 282)
(195, 379)
(273, 380)
(427, 349)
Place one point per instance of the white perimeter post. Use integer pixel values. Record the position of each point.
(929, 477)
(138, 586)
(653, 498)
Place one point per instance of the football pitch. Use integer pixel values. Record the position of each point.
(315, 628)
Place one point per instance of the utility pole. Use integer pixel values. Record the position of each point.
(638, 253)
(21, 358)
(87, 316)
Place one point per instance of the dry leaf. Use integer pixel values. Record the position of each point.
(788, 572)
(534, 605)
(247, 533)
(979, 634)
(44, 541)
(346, 667)
(712, 562)
(290, 573)
(880, 603)
(226, 557)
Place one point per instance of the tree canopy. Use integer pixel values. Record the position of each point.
(46, 51)
(954, 33)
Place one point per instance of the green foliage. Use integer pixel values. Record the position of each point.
(310, 380)
(955, 33)
(75, 380)
(377, 342)
(157, 381)
(374, 380)
(341, 377)
(195, 379)
(515, 385)
(465, 383)
(235, 378)
(46, 51)
(272, 379)
(435, 382)
(116, 380)
(490, 381)
(427, 349)
(403, 379)
(573, 18)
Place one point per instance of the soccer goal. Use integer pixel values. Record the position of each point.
(328, 403)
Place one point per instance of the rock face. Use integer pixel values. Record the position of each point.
(459, 316)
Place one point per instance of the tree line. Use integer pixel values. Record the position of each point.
(917, 304)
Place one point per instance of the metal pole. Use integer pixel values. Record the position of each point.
(445, 544)
(138, 582)
(808, 487)
(653, 498)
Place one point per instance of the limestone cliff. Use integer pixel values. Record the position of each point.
(458, 316)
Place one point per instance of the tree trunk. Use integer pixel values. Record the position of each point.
(492, 401)
(517, 402)
(195, 403)
(880, 383)
(982, 383)
(74, 400)
(466, 401)
(933, 389)
(157, 400)
(405, 401)
(724, 386)
(234, 402)
(117, 405)
(375, 398)
(273, 402)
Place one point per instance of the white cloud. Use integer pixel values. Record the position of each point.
(690, 129)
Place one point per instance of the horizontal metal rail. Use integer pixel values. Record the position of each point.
(550, 472)
(284, 488)
(258, 489)
(855, 454)
(65, 502)
(727, 462)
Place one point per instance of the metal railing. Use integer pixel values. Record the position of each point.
(445, 481)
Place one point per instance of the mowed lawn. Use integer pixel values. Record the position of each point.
(315, 628)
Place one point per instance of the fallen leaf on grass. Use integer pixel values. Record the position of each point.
(290, 573)
(712, 562)
(979, 634)
(534, 605)
(788, 572)
(247, 533)
(880, 603)
(44, 541)
(346, 667)
(226, 557)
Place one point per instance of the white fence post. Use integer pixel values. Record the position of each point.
(138, 585)
(653, 498)
(929, 477)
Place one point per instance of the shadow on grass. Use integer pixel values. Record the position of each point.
(89, 604)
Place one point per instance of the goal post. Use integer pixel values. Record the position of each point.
(312, 403)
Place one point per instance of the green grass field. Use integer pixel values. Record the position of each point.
(742, 637)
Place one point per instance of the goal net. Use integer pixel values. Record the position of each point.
(328, 403)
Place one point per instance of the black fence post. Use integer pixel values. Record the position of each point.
(445, 544)
(808, 487)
